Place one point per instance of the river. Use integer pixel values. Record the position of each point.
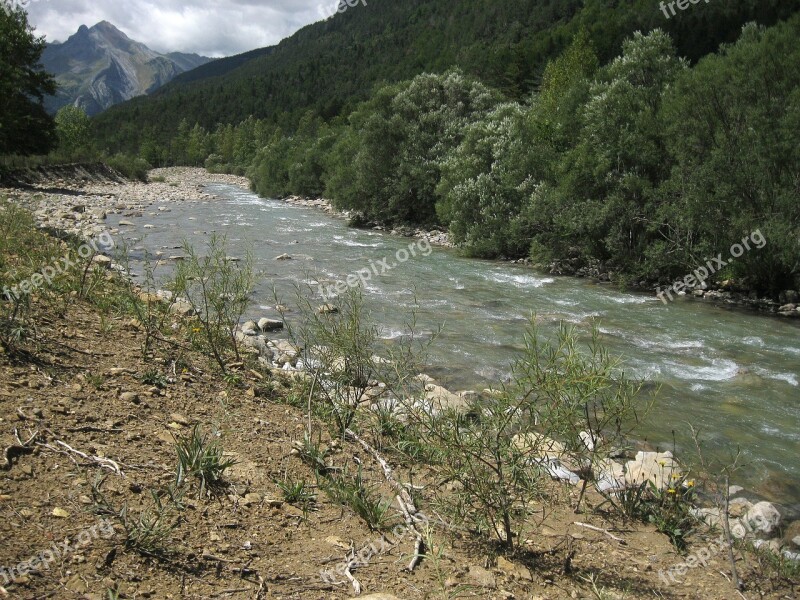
(734, 375)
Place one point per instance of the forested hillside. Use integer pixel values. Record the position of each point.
(550, 130)
(330, 66)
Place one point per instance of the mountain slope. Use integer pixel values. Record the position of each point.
(329, 66)
(99, 67)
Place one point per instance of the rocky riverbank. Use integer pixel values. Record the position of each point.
(727, 293)
(79, 199)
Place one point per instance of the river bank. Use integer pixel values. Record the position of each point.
(103, 401)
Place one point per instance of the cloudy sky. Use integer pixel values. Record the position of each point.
(212, 28)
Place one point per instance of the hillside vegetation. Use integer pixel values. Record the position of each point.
(330, 66)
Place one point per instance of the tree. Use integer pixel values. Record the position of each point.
(72, 126)
(25, 126)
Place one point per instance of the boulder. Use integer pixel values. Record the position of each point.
(328, 309)
(182, 308)
(285, 347)
(659, 468)
(763, 519)
(250, 328)
(443, 399)
(283, 257)
(270, 325)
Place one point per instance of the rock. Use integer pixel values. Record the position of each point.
(513, 569)
(793, 556)
(328, 309)
(738, 507)
(792, 534)
(788, 308)
(735, 489)
(270, 325)
(609, 475)
(180, 419)
(286, 347)
(125, 223)
(659, 468)
(182, 308)
(480, 577)
(283, 257)
(60, 513)
(252, 498)
(129, 397)
(443, 399)
(337, 542)
(773, 546)
(102, 260)
(763, 519)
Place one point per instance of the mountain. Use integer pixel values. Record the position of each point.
(99, 67)
(330, 66)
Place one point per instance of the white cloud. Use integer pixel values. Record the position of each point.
(211, 28)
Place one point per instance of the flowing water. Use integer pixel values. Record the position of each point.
(732, 374)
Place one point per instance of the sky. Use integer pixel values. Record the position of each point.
(209, 27)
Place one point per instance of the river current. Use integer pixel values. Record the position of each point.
(733, 375)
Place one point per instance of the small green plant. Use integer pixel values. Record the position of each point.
(232, 379)
(200, 457)
(149, 532)
(364, 500)
(311, 453)
(155, 378)
(96, 380)
(630, 501)
(670, 510)
(296, 492)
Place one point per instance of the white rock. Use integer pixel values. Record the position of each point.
(659, 468)
(269, 325)
(763, 519)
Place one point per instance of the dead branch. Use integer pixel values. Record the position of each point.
(603, 531)
(104, 463)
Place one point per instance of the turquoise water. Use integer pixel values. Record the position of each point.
(734, 375)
